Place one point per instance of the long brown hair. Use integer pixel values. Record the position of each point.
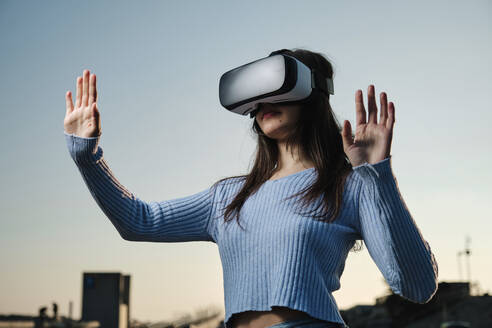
(318, 132)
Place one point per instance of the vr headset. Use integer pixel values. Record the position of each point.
(278, 78)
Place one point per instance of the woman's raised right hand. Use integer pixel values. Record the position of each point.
(83, 119)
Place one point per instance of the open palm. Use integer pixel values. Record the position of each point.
(372, 142)
(83, 119)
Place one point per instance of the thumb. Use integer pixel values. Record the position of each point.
(347, 134)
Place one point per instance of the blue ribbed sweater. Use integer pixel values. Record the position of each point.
(282, 258)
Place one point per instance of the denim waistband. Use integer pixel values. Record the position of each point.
(307, 323)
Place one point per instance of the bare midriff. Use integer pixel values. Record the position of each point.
(263, 319)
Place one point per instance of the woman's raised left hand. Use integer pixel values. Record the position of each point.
(372, 142)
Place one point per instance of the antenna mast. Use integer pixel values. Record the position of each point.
(467, 253)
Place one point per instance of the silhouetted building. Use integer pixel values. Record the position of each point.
(106, 298)
(452, 302)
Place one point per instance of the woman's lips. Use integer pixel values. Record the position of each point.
(269, 114)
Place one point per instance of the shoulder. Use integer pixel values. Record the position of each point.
(226, 185)
(230, 181)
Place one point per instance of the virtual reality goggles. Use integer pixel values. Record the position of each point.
(278, 78)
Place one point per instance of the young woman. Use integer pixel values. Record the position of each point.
(280, 264)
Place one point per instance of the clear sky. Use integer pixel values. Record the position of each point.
(165, 134)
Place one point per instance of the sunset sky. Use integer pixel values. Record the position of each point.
(165, 134)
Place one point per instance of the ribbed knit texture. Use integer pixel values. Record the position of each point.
(281, 258)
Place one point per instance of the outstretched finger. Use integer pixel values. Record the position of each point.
(68, 101)
(372, 108)
(390, 122)
(78, 99)
(92, 90)
(85, 90)
(360, 112)
(384, 108)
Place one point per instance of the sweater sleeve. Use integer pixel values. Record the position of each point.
(393, 239)
(176, 220)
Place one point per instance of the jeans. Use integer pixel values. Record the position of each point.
(307, 323)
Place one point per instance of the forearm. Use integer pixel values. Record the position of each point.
(176, 220)
(117, 203)
(396, 241)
